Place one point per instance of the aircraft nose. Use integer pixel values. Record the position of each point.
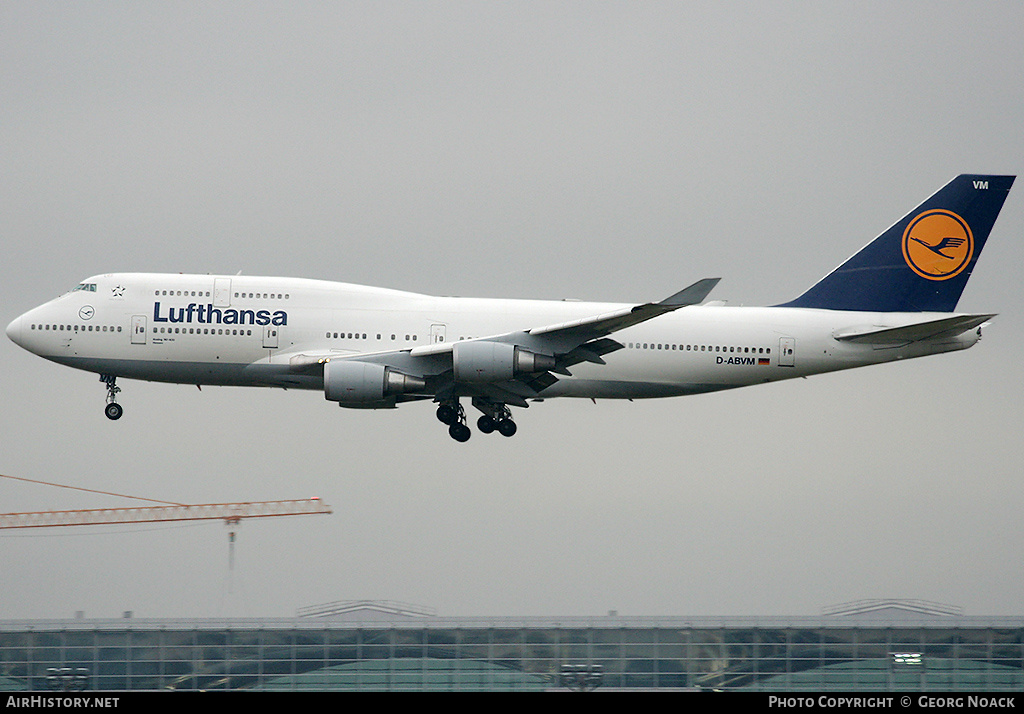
(14, 331)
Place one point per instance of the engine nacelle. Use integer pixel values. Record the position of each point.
(495, 361)
(351, 382)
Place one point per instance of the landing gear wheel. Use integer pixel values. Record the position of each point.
(460, 432)
(452, 414)
(486, 424)
(447, 414)
(113, 410)
(506, 427)
(496, 417)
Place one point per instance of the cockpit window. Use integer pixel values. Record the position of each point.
(90, 287)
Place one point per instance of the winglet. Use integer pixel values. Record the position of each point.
(692, 295)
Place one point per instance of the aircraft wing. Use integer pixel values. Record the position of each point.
(562, 338)
(568, 343)
(601, 325)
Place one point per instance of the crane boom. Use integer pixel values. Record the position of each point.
(228, 512)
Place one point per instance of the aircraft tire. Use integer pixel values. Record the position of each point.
(459, 432)
(113, 411)
(446, 414)
(486, 424)
(507, 427)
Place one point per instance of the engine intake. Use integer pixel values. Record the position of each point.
(495, 361)
(364, 384)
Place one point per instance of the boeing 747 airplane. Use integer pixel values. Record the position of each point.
(375, 348)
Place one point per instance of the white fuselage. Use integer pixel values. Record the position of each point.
(247, 331)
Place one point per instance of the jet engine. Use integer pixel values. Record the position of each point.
(495, 361)
(362, 384)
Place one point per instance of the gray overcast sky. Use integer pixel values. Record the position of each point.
(605, 151)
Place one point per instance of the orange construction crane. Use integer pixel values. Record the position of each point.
(230, 513)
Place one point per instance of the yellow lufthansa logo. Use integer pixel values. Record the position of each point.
(938, 244)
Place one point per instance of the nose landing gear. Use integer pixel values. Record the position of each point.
(113, 410)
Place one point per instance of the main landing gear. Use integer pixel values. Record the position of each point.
(496, 417)
(113, 410)
(452, 414)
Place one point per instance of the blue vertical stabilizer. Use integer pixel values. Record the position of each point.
(922, 263)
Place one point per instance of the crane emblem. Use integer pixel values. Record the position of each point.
(938, 244)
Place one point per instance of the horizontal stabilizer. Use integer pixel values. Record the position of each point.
(930, 330)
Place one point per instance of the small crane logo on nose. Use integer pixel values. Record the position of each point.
(86, 312)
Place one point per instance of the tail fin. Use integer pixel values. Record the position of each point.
(923, 262)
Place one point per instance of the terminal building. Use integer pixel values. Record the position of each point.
(876, 645)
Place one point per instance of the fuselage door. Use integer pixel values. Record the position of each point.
(437, 334)
(222, 292)
(270, 336)
(787, 352)
(138, 329)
